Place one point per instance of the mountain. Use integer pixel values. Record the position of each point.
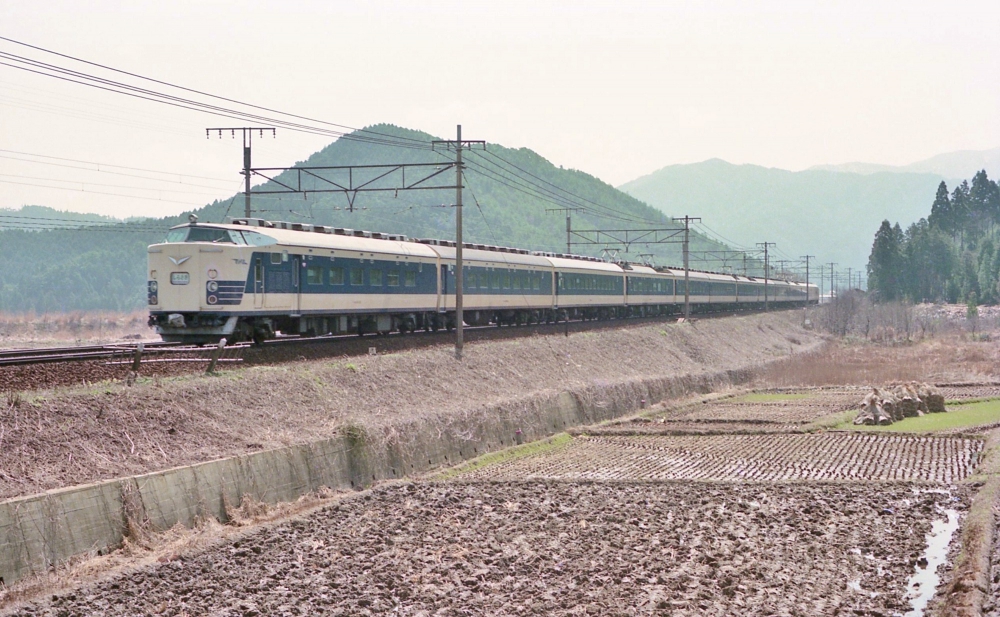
(102, 265)
(955, 165)
(832, 215)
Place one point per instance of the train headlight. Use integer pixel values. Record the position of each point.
(153, 286)
(212, 299)
(153, 299)
(212, 286)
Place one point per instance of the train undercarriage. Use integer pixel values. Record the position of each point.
(206, 328)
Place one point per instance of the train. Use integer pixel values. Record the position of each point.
(252, 279)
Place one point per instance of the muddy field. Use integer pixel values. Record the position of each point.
(756, 458)
(536, 548)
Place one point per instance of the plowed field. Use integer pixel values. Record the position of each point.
(537, 548)
(758, 458)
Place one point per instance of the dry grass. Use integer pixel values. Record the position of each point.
(77, 327)
(81, 435)
(949, 357)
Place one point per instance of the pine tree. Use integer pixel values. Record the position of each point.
(941, 214)
(960, 211)
(885, 262)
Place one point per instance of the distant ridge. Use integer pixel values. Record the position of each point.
(830, 214)
(960, 165)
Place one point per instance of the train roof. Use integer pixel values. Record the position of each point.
(320, 237)
(564, 263)
(474, 254)
(336, 238)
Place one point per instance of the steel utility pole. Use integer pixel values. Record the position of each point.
(850, 279)
(767, 267)
(687, 282)
(831, 264)
(247, 138)
(807, 258)
(569, 223)
(459, 145)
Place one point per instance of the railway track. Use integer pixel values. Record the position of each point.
(45, 355)
(32, 369)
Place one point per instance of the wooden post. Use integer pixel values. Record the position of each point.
(215, 356)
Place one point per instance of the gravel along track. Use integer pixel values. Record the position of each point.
(553, 548)
(748, 458)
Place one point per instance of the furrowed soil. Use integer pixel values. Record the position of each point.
(737, 458)
(741, 505)
(544, 548)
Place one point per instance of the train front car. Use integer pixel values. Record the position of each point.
(197, 282)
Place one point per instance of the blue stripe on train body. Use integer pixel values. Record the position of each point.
(339, 275)
(498, 281)
(579, 284)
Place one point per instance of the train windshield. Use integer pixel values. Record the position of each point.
(216, 235)
(205, 234)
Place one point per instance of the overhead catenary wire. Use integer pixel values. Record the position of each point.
(569, 199)
(117, 186)
(508, 172)
(101, 83)
(155, 171)
(560, 189)
(229, 100)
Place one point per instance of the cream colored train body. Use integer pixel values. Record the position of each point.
(252, 278)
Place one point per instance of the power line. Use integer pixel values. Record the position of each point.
(572, 195)
(101, 83)
(156, 171)
(113, 173)
(117, 186)
(80, 190)
(221, 98)
(595, 208)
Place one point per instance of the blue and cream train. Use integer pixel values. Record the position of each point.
(253, 278)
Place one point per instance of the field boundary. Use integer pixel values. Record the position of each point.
(42, 531)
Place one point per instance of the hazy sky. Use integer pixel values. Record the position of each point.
(618, 89)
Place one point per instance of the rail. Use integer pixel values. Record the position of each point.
(145, 352)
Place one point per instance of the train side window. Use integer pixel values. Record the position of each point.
(276, 258)
(375, 277)
(506, 281)
(357, 276)
(410, 280)
(257, 239)
(536, 282)
(336, 276)
(392, 278)
(495, 281)
(314, 275)
(517, 281)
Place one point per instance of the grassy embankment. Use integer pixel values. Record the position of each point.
(961, 414)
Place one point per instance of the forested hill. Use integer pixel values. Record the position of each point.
(104, 267)
(952, 255)
(825, 213)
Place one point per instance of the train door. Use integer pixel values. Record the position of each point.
(258, 283)
(444, 287)
(297, 274)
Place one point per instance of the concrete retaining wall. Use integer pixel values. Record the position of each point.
(41, 531)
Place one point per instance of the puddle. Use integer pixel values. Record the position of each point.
(924, 581)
